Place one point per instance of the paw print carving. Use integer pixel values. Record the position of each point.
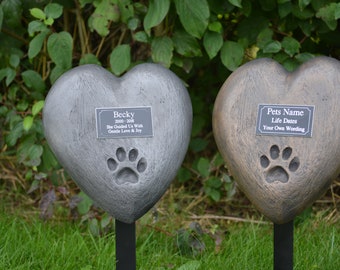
(279, 164)
(126, 167)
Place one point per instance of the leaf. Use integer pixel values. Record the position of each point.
(215, 27)
(12, 10)
(89, 58)
(29, 153)
(194, 16)
(105, 221)
(330, 14)
(212, 43)
(56, 72)
(285, 9)
(53, 10)
(10, 75)
(126, 10)
(108, 10)
(303, 3)
(198, 145)
(74, 201)
(307, 27)
(236, 3)
(3, 73)
(28, 122)
(48, 159)
(290, 45)
(186, 44)
(203, 167)
(156, 13)
(34, 186)
(264, 37)
(49, 21)
(85, 204)
(36, 43)
(189, 243)
(290, 64)
(232, 55)
(272, 47)
(59, 47)
(14, 60)
(183, 175)
(37, 107)
(12, 91)
(46, 204)
(161, 50)
(120, 59)
(33, 80)
(218, 160)
(141, 36)
(3, 110)
(133, 23)
(15, 134)
(185, 63)
(14, 119)
(214, 182)
(190, 265)
(34, 154)
(1, 16)
(304, 57)
(304, 14)
(105, 12)
(213, 193)
(94, 227)
(38, 13)
(22, 105)
(99, 24)
(36, 26)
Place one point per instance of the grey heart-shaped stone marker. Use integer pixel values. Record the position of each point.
(279, 134)
(122, 140)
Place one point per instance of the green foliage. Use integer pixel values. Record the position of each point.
(194, 16)
(120, 59)
(59, 48)
(106, 11)
(202, 41)
(232, 54)
(162, 50)
(156, 13)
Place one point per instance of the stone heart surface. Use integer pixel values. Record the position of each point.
(279, 133)
(122, 140)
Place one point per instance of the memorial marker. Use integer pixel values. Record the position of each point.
(121, 140)
(278, 133)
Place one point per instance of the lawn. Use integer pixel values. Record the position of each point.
(29, 243)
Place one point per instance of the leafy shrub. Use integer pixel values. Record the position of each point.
(203, 41)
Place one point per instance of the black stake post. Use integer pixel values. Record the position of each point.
(283, 246)
(125, 246)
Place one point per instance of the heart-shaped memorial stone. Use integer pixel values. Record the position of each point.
(279, 133)
(122, 140)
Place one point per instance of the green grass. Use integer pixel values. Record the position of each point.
(34, 244)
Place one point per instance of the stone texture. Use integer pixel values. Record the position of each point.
(281, 175)
(124, 176)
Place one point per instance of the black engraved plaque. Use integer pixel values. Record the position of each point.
(124, 122)
(285, 120)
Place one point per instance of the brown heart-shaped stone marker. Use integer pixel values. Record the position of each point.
(122, 140)
(279, 133)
